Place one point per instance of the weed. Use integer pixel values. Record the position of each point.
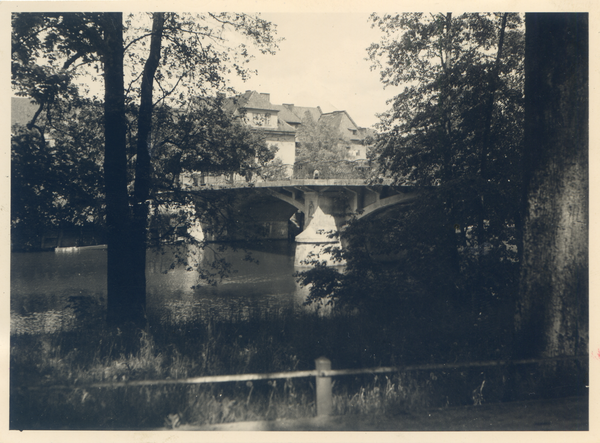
(248, 343)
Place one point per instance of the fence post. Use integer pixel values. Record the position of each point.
(323, 385)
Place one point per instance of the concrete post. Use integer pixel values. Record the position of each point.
(323, 385)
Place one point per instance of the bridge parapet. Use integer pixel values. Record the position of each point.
(240, 184)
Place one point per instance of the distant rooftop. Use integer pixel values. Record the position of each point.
(22, 110)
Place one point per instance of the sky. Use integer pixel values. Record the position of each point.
(322, 62)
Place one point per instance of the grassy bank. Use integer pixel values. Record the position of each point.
(254, 343)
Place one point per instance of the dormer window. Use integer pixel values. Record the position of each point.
(260, 119)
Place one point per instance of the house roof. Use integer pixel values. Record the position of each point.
(301, 111)
(253, 100)
(344, 123)
(283, 126)
(287, 115)
(22, 110)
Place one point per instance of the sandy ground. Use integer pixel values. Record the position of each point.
(566, 414)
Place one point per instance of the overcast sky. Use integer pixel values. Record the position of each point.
(322, 63)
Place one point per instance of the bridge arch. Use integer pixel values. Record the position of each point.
(339, 198)
(386, 202)
(291, 200)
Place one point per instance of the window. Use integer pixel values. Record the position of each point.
(260, 119)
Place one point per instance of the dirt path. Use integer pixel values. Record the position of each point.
(566, 414)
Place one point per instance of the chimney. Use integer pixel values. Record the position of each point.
(267, 96)
(289, 106)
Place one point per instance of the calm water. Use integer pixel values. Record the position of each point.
(43, 283)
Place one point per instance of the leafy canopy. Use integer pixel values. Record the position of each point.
(57, 61)
(322, 147)
(454, 133)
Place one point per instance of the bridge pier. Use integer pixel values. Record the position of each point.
(312, 243)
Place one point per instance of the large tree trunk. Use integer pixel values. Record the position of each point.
(124, 305)
(552, 307)
(142, 167)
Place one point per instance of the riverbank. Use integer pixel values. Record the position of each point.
(253, 322)
(51, 376)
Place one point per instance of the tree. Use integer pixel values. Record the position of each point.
(455, 128)
(125, 301)
(552, 307)
(141, 193)
(202, 136)
(42, 200)
(320, 149)
(46, 50)
(454, 134)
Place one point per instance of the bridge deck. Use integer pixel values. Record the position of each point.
(342, 182)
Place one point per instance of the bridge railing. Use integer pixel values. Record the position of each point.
(343, 169)
(285, 182)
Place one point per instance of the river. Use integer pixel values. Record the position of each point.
(46, 287)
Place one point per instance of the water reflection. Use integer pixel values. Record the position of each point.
(261, 286)
(43, 285)
(43, 322)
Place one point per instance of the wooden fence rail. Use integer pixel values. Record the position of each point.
(322, 374)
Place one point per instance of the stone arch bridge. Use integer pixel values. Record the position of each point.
(306, 209)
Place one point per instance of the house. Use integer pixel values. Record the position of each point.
(352, 137)
(280, 124)
(255, 110)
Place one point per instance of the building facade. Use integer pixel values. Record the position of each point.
(280, 124)
(255, 110)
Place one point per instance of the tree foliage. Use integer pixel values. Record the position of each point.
(450, 68)
(56, 178)
(202, 137)
(185, 55)
(321, 148)
(454, 133)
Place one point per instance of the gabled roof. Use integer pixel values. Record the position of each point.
(344, 124)
(287, 115)
(251, 100)
(301, 111)
(283, 126)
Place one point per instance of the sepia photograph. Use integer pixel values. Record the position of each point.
(297, 221)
